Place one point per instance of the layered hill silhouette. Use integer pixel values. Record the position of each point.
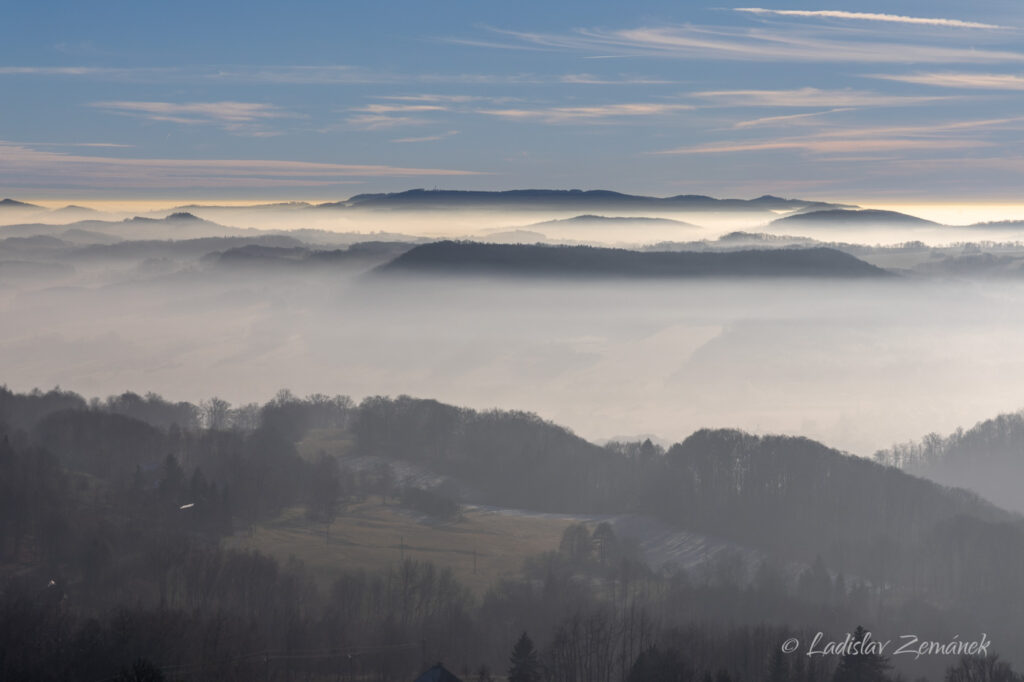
(574, 199)
(180, 225)
(472, 258)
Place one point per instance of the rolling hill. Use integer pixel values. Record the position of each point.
(464, 258)
(847, 217)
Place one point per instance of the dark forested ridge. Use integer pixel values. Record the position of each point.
(115, 514)
(448, 257)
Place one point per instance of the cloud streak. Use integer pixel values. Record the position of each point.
(196, 112)
(970, 81)
(313, 75)
(590, 79)
(53, 71)
(826, 146)
(866, 139)
(22, 165)
(754, 45)
(242, 118)
(399, 108)
(383, 121)
(79, 144)
(428, 138)
(868, 16)
(588, 113)
(808, 97)
(790, 119)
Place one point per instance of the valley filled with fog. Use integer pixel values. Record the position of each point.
(191, 307)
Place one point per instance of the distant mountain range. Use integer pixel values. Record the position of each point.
(175, 226)
(573, 199)
(473, 258)
(589, 204)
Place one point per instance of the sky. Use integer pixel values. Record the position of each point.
(894, 101)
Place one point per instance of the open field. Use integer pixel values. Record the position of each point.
(373, 535)
(335, 442)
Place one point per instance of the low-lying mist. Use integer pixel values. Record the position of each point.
(202, 304)
(856, 364)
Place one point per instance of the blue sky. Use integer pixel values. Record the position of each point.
(231, 100)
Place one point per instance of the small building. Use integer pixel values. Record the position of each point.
(438, 673)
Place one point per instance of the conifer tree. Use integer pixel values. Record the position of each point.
(524, 665)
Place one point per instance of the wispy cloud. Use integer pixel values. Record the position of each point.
(868, 16)
(826, 146)
(590, 79)
(313, 75)
(326, 74)
(236, 117)
(79, 144)
(753, 45)
(55, 71)
(790, 119)
(951, 135)
(404, 110)
(399, 108)
(22, 165)
(972, 81)
(428, 138)
(197, 112)
(383, 121)
(588, 113)
(446, 99)
(808, 97)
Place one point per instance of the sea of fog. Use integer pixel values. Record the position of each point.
(856, 364)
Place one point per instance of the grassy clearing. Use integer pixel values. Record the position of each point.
(335, 442)
(373, 536)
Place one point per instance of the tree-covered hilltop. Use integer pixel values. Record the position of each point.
(455, 258)
(988, 458)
